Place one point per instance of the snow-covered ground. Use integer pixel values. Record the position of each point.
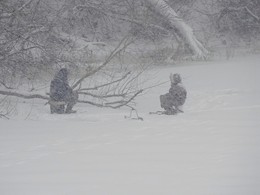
(211, 149)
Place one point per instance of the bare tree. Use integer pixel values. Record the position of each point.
(240, 18)
(235, 20)
(136, 17)
(115, 93)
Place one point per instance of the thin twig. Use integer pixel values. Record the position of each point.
(123, 103)
(102, 96)
(117, 50)
(106, 84)
(7, 87)
(3, 116)
(91, 103)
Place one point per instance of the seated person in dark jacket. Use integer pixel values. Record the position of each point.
(62, 97)
(176, 97)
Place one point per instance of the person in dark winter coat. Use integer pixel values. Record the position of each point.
(62, 97)
(176, 97)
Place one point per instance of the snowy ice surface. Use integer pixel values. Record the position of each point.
(213, 148)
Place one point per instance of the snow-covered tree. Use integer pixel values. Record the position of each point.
(178, 26)
(239, 18)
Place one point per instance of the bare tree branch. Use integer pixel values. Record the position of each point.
(106, 84)
(225, 11)
(7, 87)
(121, 46)
(25, 96)
(3, 116)
(9, 15)
(124, 102)
(252, 14)
(102, 96)
(38, 96)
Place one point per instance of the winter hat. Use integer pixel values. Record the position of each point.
(62, 74)
(175, 78)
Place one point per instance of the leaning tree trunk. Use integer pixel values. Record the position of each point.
(177, 24)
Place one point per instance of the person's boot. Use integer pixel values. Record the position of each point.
(170, 112)
(69, 109)
(57, 109)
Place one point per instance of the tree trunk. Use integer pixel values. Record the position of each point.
(179, 27)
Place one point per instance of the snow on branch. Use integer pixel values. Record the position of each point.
(252, 14)
(178, 25)
(25, 96)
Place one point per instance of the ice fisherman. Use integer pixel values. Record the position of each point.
(62, 96)
(172, 102)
